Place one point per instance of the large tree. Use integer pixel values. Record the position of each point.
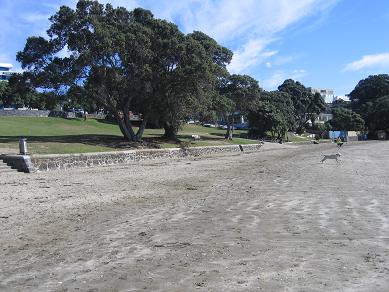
(284, 104)
(241, 91)
(345, 119)
(265, 117)
(20, 93)
(4, 91)
(120, 61)
(379, 115)
(188, 88)
(306, 104)
(105, 50)
(369, 99)
(273, 113)
(369, 89)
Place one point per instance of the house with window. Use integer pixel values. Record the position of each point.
(5, 71)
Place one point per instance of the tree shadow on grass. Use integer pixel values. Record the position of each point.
(114, 122)
(111, 141)
(240, 135)
(107, 121)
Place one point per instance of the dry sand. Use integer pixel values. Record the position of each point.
(275, 220)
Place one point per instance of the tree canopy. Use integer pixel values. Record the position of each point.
(273, 112)
(378, 117)
(19, 92)
(371, 88)
(236, 94)
(121, 61)
(345, 119)
(129, 61)
(305, 103)
(370, 99)
(4, 89)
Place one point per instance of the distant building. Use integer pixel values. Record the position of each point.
(327, 93)
(324, 117)
(5, 71)
(345, 98)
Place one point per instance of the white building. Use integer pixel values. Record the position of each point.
(324, 117)
(5, 71)
(341, 97)
(327, 93)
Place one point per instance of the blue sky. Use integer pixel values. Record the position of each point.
(322, 43)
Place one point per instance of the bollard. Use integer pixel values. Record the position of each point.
(23, 146)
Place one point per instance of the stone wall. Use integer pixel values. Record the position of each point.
(65, 161)
(20, 162)
(37, 113)
(25, 113)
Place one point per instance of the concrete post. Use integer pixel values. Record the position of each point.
(23, 146)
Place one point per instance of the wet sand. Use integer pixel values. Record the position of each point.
(275, 220)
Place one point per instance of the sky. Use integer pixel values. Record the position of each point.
(321, 43)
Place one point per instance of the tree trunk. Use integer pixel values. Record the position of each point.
(122, 126)
(300, 125)
(228, 133)
(141, 129)
(280, 136)
(127, 123)
(170, 132)
(232, 128)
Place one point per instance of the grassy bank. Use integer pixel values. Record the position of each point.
(58, 135)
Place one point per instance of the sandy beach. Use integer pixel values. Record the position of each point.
(273, 220)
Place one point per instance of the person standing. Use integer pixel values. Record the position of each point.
(339, 142)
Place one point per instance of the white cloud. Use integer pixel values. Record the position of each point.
(275, 80)
(229, 19)
(299, 73)
(369, 61)
(280, 76)
(35, 17)
(5, 58)
(282, 60)
(246, 26)
(252, 53)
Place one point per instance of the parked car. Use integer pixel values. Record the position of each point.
(209, 125)
(242, 126)
(225, 127)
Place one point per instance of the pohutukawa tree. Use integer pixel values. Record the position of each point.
(345, 119)
(121, 61)
(370, 98)
(241, 91)
(306, 104)
(272, 113)
(190, 65)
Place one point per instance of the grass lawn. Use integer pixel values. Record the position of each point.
(58, 135)
(299, 138)
(302, 138)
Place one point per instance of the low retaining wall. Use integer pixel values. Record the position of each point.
(20, 162)
(25, 113)
(65, 161)
(37, 113)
